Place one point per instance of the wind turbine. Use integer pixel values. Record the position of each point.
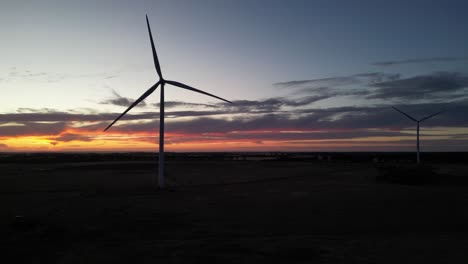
(161, 82)
(417, 129)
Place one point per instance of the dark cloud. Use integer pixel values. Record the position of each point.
(210, 125)
(64, 117)
(275, 119)
(271, 104)
(176, 114)
(327, 92)
(241, 106)
(356, 85)
(416, 61)
(271, 122)
(32, 129)
(333, 81)
(103, 117)
(251, 115)
(3, 146)
(172, 104)
(264, 106)
(434, 87)
(360, 78)
(145, 127)
(384, 117)
(331, 119)
(36, 110)
(121, 101)
(431, 86)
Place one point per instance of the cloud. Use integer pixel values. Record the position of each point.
(246, 115)
(121, 101)
(278, 119)
(69, 117)
(430, 86)
(265, 106)
(331, 119)
(333, 81)
(177, 114)
(433, 87)
(346, 125)
(330, 92)
(32, 129)
(418, 61)
(351, 85)
(3, 146)
(172, 104)
(241, 106)
(53, 77)
(16, 74)
(36, 110)
(369, 77)
(271, 104)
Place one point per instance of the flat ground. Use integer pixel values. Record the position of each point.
(228, 212)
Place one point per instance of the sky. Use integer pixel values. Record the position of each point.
(302, 75)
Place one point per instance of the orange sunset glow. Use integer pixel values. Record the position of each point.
(76, 140)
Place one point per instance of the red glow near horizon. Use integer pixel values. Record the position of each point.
(76, 139)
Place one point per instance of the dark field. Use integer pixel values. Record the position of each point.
(295, 208)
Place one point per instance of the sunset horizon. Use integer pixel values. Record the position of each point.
(64, 79)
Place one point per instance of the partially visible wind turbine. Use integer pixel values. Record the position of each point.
(417, 129)
(161, 82)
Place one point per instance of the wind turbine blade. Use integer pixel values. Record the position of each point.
(181, 85)
(146, 94)
(427, 117)
(410, 117)
(155, 55)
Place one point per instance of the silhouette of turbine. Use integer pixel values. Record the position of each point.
(417, 129)
(161, 82)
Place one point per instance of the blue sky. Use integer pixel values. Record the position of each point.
(73, 56)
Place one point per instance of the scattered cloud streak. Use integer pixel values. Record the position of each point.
(370, 77)
(419, 61)
(173, 104)
(443, 85)
(433, 87)
(14, 74)
(121, 101)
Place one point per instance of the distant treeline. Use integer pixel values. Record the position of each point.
(376, 157)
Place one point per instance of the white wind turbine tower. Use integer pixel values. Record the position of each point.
(417, 129)
(161, 82)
